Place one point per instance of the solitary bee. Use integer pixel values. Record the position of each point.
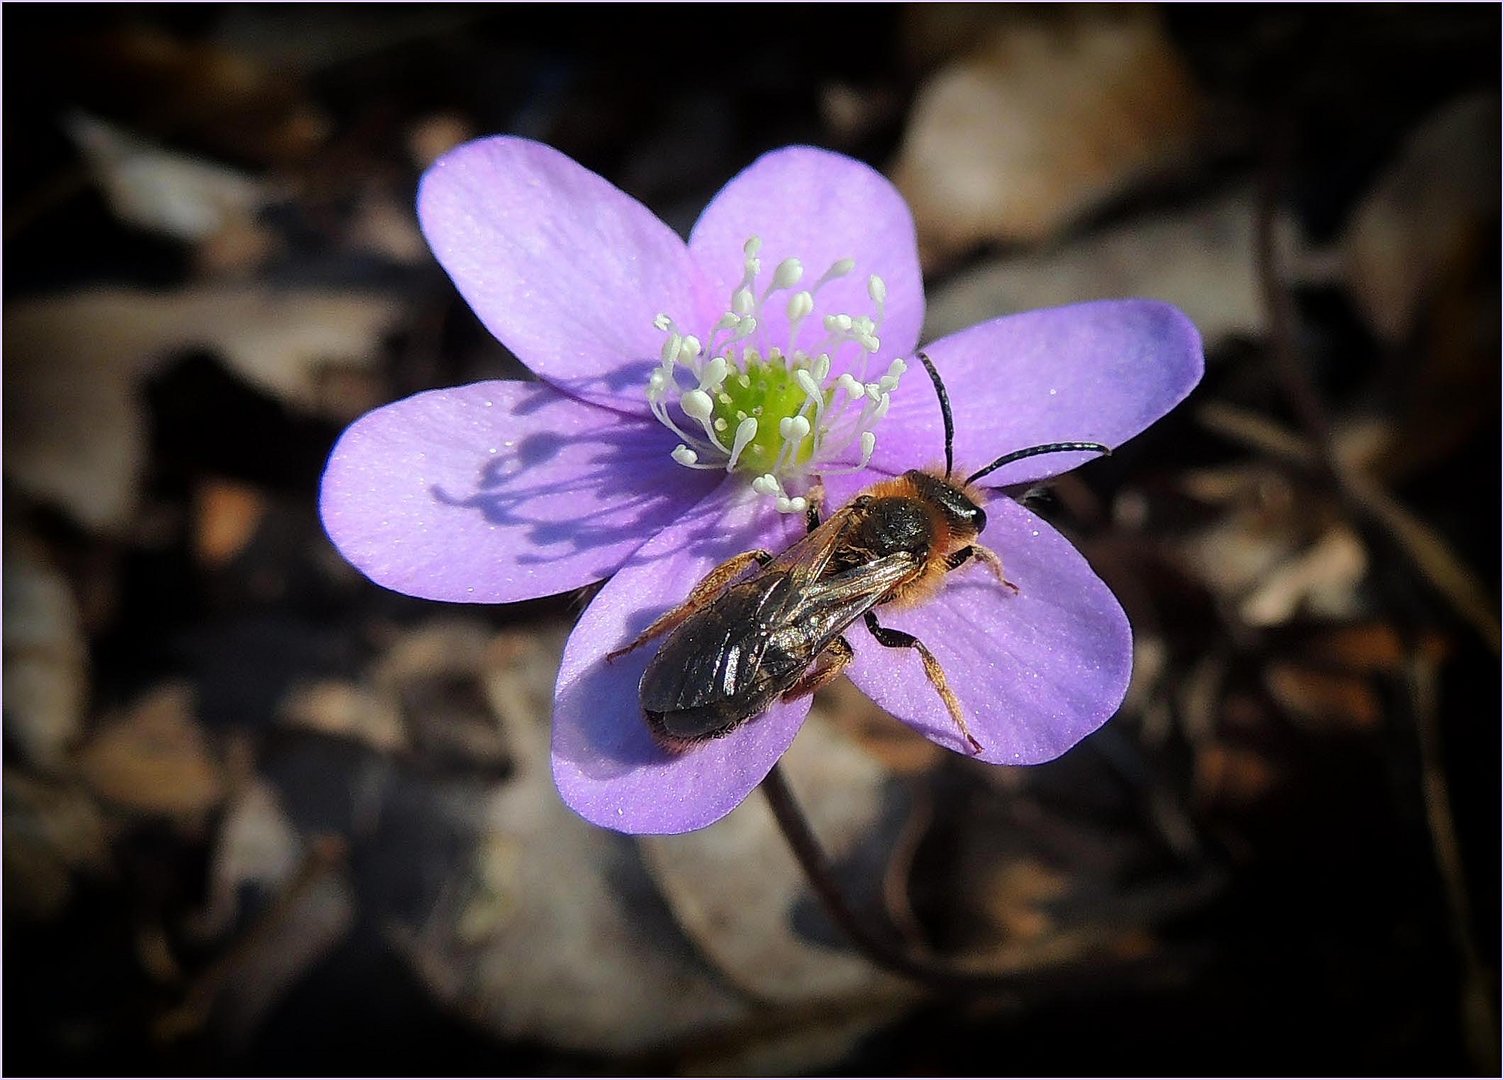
(742, 641)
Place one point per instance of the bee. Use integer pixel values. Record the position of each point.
(761, 627)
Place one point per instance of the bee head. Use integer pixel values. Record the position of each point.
(962, 513)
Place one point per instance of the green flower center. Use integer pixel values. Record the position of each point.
(771, 410)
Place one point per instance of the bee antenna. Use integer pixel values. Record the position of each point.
(950, 424)
(1035, 451)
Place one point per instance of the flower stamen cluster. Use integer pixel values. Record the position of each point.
(774, 411)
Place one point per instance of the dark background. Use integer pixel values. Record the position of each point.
(1293, 829)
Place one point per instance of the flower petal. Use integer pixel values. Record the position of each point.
(1094, 372)
(607, 767)
(499, 491)
(818, 207)
(1035, 672)
(565, 269)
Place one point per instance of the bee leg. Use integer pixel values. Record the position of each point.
(812, 508)
(897, 639)
(702, 594)
(982, 554)
(826, 667)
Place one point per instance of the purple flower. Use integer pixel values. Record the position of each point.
(690, 395)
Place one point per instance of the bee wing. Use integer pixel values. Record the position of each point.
(759, 637)
(715, 654)
(826, 608)
(808, 556)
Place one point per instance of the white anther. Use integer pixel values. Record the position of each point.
(714, 373)
(840, 268)
(662, 322)
(746, 431)
(800, 305)
(838, 324)
(766, 484)
(869, 342)
(690, 348)
(788, 273)
(811, 388)
(746, 327)
(793, 428)
(670, 351)
(684, 455)
(819, 367)
(743, 302)
(697, 405)
(752, 247)
(849, 384)
(877, 290)
(869, 442)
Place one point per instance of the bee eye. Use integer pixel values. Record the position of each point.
(979, 519)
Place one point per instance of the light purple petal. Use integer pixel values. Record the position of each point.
(818, 207)
(1035, 672)
(1094, 372)
(566, 270)
(499, 491)
(607, 767)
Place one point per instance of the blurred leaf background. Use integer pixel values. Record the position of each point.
(262, 816)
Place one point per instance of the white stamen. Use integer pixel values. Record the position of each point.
(697, 405)
(800, 305)
(819, 399)
(746, 431)
(713, 374)
(793, 428)
(670, 351)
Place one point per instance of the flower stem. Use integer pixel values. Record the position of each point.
(1085, 975)
(881, 951)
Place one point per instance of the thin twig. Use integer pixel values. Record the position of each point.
(1479, 1016)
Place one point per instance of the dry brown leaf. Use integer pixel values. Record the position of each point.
(46, 669)
(347, 710)
(210, 93)
(1322, 580)
(897, 746)
(160, 190)
(1370, 647)
(1425, 213)
(50, 831)
(1233, 776)
(436, 675)
(550, 930)
(736, 888)
(74, 434)
(256, 845)
(1200, 258)
(153, 758)
(1343, 701)
(225, 518)
(1041, 120)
